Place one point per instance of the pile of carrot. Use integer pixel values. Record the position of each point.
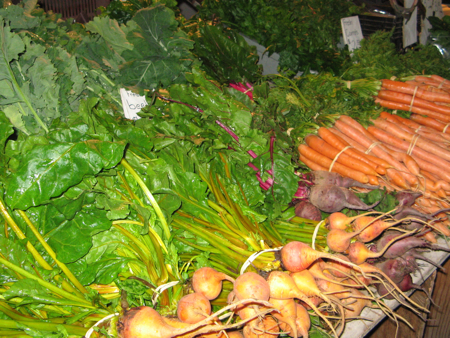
(272, 303)
(395, 153)
(421, 95)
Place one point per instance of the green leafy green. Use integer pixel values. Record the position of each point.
(48, 171)
(304, 32)
(224, 53)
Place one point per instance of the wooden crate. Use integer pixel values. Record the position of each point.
(80, 10)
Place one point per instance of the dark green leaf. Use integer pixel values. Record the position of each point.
(48, 171)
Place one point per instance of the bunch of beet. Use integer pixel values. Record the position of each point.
(328, 192)
(266, 305)
(388, 241)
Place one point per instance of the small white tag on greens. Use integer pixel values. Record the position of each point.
(132, 103)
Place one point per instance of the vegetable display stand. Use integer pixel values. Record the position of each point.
(421, 327)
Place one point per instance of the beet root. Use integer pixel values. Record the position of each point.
(307, 210)
(408, 212)
(397, 268)
(406, 198)
(331, 198)
(325, 177)
(406, 284)
(400, 247)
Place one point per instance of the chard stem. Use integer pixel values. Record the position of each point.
(150, 197)
(45, 284)
(71, 329)
(37, 256)
(52, 254)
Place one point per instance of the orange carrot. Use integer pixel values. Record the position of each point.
(356, 125)
(388, 186)
(327, 150)
(443, 204)
(403, 145)
(425, 145)
(442, 81)
(439, 184)
(395, 118)
(336, 142)
(423, 202)
(442, 227)
(406, 88)
(337, 167)
(380, 152)
(430, 122)
(426, 165)
(412, 128)
(424, 130)
(428, 182)
(407, 160)
(433, 203)
(311, 165)
(347, 139)
(413, 101)
(430, 237)
(431, 168)
(427, 87)
(432, 82)
(373, 180)
(417, 110)
(373, 160)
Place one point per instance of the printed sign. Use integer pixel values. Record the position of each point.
(132, 103)
(351, 30)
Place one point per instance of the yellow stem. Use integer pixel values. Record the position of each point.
(10, 221)
(52, 254)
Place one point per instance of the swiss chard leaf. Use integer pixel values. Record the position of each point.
(6, 130)
(101, 264)
(14, 253)
(48, 171)
(72, 239)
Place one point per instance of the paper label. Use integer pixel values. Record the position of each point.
(351, 30)
(410, 27)
(132, 103)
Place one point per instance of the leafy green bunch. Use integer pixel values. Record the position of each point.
(48, 65)
(379, 59)
(304, 32)
(224, 53)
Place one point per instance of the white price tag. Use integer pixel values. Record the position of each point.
(132, 103)
(351, 31)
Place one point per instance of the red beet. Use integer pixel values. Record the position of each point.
(307, 210)
(330, 198)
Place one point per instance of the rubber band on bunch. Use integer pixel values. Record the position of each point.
(414, 96)
(336, 157)
(413, 144)
(445, 128)
(373, 145)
